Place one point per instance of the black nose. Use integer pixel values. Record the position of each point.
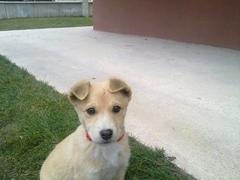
(106, 134)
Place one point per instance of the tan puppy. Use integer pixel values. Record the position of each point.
(98, 149)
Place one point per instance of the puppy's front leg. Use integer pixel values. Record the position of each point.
(120, 174)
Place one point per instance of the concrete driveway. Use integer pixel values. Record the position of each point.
(186, 96)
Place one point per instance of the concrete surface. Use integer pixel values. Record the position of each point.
(186, 96)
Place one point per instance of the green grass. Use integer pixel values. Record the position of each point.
(46, 22)
(34, 117)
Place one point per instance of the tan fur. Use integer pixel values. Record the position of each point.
(77, 158)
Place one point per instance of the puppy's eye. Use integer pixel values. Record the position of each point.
(91, 111)
(116, 109)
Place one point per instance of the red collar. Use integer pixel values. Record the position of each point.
(90, 139)
(121, 137)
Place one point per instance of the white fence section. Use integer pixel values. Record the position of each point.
(43, 9)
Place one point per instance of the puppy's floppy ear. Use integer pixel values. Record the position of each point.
(79, 91)
(117, 85)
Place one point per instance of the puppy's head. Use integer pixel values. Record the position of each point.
(102, 108)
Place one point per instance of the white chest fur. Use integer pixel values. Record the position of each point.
(109, 159)
(110, 154)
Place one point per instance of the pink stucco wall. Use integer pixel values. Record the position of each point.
(213, 22)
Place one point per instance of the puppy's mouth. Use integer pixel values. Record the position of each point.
(106, 142)
(103, 141)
